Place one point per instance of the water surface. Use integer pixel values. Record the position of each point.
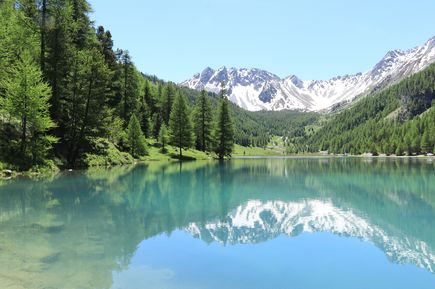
(247, 223)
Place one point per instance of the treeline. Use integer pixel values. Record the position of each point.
(398, 120)
(287, 123)
(66, 94)
(292, 125)
(249, 128)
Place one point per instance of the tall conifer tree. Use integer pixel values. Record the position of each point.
(26, 99)
(203, 122)
(224, 130)
(136, 139)
(180, 126)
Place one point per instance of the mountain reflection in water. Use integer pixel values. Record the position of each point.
(76, 229)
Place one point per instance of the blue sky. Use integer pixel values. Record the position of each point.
(313, 39)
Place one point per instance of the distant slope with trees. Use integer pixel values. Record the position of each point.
(68, 99)
(398, 120)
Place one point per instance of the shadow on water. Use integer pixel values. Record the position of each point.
(78, 228)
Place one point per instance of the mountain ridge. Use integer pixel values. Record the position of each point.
(256, 89)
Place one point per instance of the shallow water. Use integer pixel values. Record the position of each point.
(246, 223)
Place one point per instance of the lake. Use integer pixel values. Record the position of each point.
(246, 223)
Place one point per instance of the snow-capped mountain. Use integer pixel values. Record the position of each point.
(256, 89)
(257, 221)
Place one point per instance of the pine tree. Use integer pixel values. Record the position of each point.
(426, 145)
(224, 131)
(106, 46)
(59, 54)
(18, 34)
(416, 144)
(126, 63)
(150, 98)
(180, 125)
(398, 151)
(136, 139)
(163, 137)
(145, 121)
(168, 95)
(157, 124)
(203, 122)
(43, 31)
(26, 99)
(84, 109)
(81, 26)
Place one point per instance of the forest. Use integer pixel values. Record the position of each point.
(398, 120)
(69, 99)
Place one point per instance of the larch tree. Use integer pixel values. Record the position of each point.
(203, 123)
(168, 95)
(180, 126)
(144, 114)
(84, 108)
(224, 130)
(26, 100)
(163, 137)
(136, 139)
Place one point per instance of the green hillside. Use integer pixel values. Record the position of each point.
(397, 120)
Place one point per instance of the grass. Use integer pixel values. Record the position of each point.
(155, 153)
(108, 155)
(274, 148)
(255, 151)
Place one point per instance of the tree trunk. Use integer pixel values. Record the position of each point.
(125, 90)
(23, 134)
(74, 115)
(24, 123)
(43, 21)
(85, 120)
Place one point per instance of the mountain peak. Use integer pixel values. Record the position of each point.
(431, 42)
(257, 89)
(295, 80)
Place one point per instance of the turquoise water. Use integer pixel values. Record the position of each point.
(246, 223)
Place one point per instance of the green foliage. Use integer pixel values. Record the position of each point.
(168, 96)
(116, 133)
(144, 113)
(84, 109)
(396, 120)
(105, 153)
(224, 132)
(180, 126)
(163, 137)
(97, 96)
(25, 103)
(203, 123)
(136, 139)
(130, 85)
(16, 36)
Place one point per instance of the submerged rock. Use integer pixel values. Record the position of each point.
(50, 258)
(52, 227)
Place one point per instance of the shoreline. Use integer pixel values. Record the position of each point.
(7, 174)
(332, 156)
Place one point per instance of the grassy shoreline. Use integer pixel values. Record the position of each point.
(155, 154)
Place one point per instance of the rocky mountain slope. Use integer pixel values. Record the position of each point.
(256, 89)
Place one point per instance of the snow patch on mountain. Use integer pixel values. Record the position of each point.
(256, 89)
